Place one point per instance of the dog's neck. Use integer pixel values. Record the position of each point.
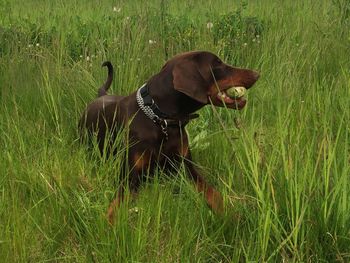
(169, 100)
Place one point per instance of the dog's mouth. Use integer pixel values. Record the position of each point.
(232, 97)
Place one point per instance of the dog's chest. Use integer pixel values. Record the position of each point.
(163, 147)
(175, 145)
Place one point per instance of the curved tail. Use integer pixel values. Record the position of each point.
(103, 90)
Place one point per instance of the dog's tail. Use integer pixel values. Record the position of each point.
(103, 90)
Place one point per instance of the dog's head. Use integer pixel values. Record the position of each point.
(204, 77)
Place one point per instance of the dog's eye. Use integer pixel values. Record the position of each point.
(218, 73)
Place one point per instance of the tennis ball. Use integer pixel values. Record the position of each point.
(236, 92)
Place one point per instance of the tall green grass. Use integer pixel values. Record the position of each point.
(282, 163)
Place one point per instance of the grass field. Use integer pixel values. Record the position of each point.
(282, 164)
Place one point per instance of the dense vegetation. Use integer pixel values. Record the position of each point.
(283, 163)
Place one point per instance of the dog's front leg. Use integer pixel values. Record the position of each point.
(212, 196)
(133, 175)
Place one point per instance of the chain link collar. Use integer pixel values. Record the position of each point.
(151, 110)
(146, 109)
(150, 113)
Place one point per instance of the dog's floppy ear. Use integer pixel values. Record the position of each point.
(188, 80)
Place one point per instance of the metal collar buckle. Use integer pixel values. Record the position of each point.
(164, 126)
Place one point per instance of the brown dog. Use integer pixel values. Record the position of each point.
(156, 115)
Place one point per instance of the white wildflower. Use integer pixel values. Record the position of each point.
(134, 210)
(116, 9)
(210, 25)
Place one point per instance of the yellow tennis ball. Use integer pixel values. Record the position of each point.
(236, 92)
